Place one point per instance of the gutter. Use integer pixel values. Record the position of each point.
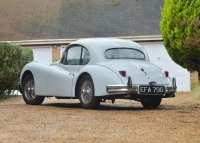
(58, 42)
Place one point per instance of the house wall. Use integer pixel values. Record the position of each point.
(55, 53)
(194, 78)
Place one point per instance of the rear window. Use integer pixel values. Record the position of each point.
(124, 53)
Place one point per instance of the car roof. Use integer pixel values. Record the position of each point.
(105, 43)
(98, 46)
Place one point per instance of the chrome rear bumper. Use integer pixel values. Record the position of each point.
(121, 89)
(131, 89)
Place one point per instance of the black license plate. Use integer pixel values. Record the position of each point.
(152, 89)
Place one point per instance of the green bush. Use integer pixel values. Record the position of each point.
(27, 56)
(180, 27)
(12, 58)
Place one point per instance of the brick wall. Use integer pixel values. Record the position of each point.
(55, 53)
(194, 78)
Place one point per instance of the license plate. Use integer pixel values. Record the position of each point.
(152, 89)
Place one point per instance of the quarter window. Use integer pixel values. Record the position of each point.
(85, 57)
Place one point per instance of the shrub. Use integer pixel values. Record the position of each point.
(27, 56)
(180, 26)
(12, 58)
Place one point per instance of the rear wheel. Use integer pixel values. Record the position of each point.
(86, 93)
(151, 102)
(28, 91)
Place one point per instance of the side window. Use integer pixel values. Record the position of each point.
(75, 55)
(85, 57)
(72, 56)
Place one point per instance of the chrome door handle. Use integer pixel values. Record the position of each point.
(72, 74)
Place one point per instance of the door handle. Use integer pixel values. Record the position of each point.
(72, 74)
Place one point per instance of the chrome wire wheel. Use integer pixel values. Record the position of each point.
(29, 90)
(29, 96)
(86, 92)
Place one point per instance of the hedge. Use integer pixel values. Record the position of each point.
(13, 58)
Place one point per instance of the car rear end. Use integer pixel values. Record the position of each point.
(141, 78)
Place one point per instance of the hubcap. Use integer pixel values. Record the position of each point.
(29, 90)
(86, 91)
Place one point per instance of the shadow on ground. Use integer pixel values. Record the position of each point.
(102, 106)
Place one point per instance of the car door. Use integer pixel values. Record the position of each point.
(60, 77)
(60, 80)
(71, 62)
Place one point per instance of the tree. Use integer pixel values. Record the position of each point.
(180, 27)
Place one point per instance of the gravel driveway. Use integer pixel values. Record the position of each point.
(177, 120)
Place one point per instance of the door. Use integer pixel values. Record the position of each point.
(42, 55)
(73, 59)
(59, 78)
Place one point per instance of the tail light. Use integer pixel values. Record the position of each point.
(166, 73)
(123, 73)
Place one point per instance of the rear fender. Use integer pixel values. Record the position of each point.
(101, 77)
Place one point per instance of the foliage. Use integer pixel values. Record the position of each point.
(180, 26)
(27, 56)
(12, 58)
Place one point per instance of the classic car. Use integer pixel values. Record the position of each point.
(94, 70)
